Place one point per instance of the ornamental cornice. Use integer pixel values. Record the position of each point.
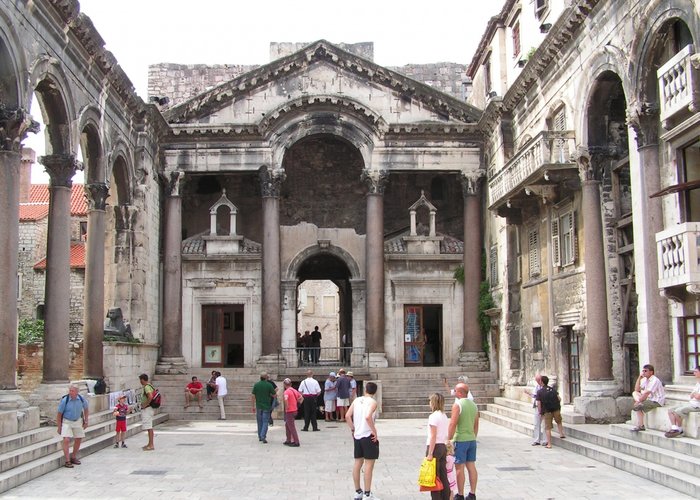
(442, 104)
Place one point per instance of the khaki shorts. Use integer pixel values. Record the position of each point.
(72, 428)
(684, 410)
(646, 406)
(549, 416)
(147, 418)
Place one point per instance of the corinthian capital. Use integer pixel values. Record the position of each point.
(376, 180)
(15, 123)
(96, 194)
(271, 181)
(174, 182)
(470, 181)
(61, 168)
(643, 118)
(582, 157)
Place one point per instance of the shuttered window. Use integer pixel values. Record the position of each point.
(564, 248)
(493, 266)
(533, 238)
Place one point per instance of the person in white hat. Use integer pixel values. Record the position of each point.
(330, 392)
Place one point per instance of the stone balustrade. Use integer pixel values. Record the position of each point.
(679, 85)
(677, 249)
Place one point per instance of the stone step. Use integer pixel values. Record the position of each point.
(26, 470)
(683, 445)
(568, 414)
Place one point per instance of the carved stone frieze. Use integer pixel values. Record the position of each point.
(470, 181)
(96, 195)
(61, 168)
(376, 180)
(271, 181)
(15, 123)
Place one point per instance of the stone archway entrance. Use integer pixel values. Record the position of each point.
(324, 300)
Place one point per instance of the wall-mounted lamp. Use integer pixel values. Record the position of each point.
(545, 27)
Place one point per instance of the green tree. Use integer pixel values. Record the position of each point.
(30, 331)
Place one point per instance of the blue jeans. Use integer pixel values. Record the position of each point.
(263, 417)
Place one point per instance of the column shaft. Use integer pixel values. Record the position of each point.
(472, 273)
(172, 279)
(597, 331)
(375, 272)
(9, 220)
(94, 283)
(271, 277)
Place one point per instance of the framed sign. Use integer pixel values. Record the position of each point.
(212, 354)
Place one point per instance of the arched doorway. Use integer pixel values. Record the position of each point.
(324, 300)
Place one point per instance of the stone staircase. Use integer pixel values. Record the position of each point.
(674, 463)
(31, 453)
(405, 391)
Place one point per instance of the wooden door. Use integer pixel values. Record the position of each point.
(212, 336)
(414, 340)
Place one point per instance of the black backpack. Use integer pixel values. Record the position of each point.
(550, 400)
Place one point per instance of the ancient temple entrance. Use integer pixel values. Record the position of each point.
(222, 335)
(423, 335)
(324, 311)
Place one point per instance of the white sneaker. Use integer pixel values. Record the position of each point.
(358, 496)
(370, 497)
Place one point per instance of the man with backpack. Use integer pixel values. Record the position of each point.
(71, 420)
(147, 404)
(549, 406)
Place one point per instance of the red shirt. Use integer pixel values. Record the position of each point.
(290, 400)
(194, 387)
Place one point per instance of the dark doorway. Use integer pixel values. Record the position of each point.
(574, 365)
(423, 335)
(222, 335)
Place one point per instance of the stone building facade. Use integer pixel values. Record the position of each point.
(589, 113)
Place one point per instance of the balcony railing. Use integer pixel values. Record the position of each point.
(329, 357)
(677, 249)
(679, 84)
(547, 150)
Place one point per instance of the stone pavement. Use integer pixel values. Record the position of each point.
(224, 460)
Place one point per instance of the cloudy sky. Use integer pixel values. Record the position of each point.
(143, 32)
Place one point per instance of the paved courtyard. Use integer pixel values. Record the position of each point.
(223, 460)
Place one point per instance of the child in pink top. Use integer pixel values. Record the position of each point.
(451, 472)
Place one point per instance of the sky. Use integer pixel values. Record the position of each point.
(143, 32)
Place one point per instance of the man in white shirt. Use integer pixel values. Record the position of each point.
(361, 417)
(538, 437)
(648, 394)
(677, 414)
(310, 389)
(221, 391)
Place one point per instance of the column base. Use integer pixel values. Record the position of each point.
(273, 364)
(47, 396)
(377, 360)
(474, 361)
(11, 399)
(175, 365)
(601, 402)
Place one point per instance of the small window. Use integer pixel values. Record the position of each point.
(691, 343)
(541, 7)
(328, 305)
(564, 248)
(19, 286)
(310, 303)
(40, 312)
(487, 75)
(516, 39)
(533, 239)
(537, 339)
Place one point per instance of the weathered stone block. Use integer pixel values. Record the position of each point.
(599, 410)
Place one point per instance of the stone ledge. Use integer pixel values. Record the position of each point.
(658, 420)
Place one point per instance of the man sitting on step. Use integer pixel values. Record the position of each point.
(648, 394)
(677, 414)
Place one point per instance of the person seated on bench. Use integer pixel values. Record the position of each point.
(648, 394)
(677, 414)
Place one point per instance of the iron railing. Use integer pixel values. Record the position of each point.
(332, 357)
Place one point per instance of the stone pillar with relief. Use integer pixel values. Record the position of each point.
(14, 125)
(93, 329)
(61, 169)
(171, 359)
(652, 313)
(271, 342)
(472, 355)
(376, 181)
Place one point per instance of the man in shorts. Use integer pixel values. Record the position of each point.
(361, 417)
(344, 388)
(677, 414)
(72, 419)
(147, 411)
(463, 429)
(648, 394)
(549, 408)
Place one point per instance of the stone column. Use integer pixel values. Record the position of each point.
(14, 124)
(171, 360)
(600, 377)
(652, 311)
(61, 169)
(472, 355)
(271, 186)
(93, 329)
(374, 266)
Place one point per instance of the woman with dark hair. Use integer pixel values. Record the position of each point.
(436, 444)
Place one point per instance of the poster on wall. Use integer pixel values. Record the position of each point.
(212, 354)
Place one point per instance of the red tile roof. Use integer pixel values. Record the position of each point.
(38, 205)
(77, 257)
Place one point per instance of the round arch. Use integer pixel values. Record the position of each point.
(292, 270)
(12, 92)
(91, 144)
(120, 177)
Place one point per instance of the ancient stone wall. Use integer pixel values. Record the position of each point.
(30, 363)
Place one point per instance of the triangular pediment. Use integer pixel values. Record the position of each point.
(325, 75)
